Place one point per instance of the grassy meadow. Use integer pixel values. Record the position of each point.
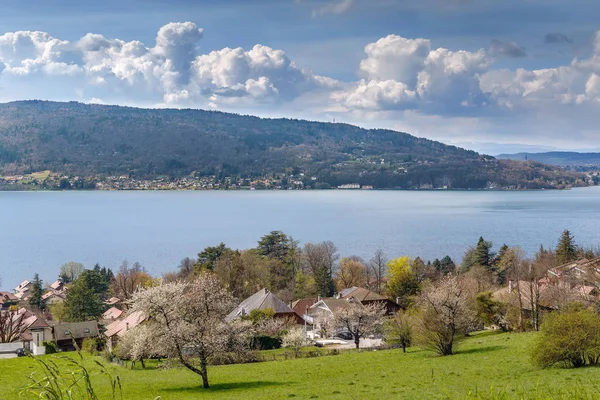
(487, 366)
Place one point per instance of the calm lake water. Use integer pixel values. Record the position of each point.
(39, 231)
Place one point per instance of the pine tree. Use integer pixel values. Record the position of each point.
(37, 291)
(483, 256)
(566, 250)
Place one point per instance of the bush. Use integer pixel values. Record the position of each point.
(51, 347)
(92, 346)
(568, 338)
(265, 342)
(398, 330)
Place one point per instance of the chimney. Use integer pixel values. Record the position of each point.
(126, 326)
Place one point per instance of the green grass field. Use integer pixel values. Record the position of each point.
(487, 366)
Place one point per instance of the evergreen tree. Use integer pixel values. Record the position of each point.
(208, 257)
(85, 299)
(482, 255)
(447, 265)
(36, 291)
(566, 250)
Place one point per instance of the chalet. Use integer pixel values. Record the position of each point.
(264, 300)
(67, 332)
(53, 297)
(301, 306)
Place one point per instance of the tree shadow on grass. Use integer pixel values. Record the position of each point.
(218, 387)
(483, 349)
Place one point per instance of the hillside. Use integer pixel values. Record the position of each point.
(568, 159)
(96, 141)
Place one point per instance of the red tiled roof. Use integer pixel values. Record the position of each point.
(120, 327)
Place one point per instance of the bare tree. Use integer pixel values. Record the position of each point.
(445, 315)
(188, 321)
(69, 272)
(129, 280)
(378, 266)
(399, 330)
(360, 320)
(11, 325)
(319, 260)
(513, 263)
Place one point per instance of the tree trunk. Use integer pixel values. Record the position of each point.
(204, 372)
(403, 347)
(143, 364)
(357, 341)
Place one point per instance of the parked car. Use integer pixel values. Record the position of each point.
(20, 352)
(344, 335)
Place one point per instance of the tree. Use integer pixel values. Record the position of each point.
(378, 265)
(281, 251)
(568, 338)
(128, 280)
(186, 268)
(36, 293)
(445, 315)
(208, 257)
(402, 283)
(360, 320)
(483, 255)
(447, 266)
(514, 266)
(566, 250)
(295, 339)
(11, 325)
(69, 272)
(138, 344)
(319, 260)
(188, 321)
(399, 330)
(275, 245)
(492, 311)
(243, 273)
(351, 273)
(85, 299)
(304, 286)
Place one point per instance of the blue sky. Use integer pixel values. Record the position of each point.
(483, 74)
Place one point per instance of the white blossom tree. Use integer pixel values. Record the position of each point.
(360, 320)
(295, 339)
(138, 344)
(188, 321)
(445, 315)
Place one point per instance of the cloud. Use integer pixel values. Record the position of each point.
(173, 71)
(401, 73)
(506, 49)
(336, 8)
(557, 37)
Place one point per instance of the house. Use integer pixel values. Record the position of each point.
(118, 328)
(53, 297)
(301, 306)
(112, 301)
(22, 290)
(67, 332)
(58, 286)
(7, 299)
(320, 315)
(112, 313)
(34, 330)
(264, 300)
(366, 296)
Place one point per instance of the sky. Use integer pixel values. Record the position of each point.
(494, 76)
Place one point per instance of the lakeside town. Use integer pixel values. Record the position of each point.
(47, 180)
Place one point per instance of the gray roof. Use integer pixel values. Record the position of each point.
(261, 300)
(79, 330)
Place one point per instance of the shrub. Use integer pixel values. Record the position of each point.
(568, 338)
(51, 347)
(265, 342)
(295, 339)
(92, 346)
(398, 330)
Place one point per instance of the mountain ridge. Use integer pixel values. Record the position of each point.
(95, 141)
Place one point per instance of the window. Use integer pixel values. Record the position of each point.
(86, 330)
(67, 332)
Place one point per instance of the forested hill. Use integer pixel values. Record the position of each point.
(569, 159)
(96, 141)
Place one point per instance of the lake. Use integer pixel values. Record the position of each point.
(39, 231)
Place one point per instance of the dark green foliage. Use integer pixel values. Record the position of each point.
(36, 292)
(569, 338)
(210, 255)
(94, 140)
(85, 299)
(491, 311)
(265, 342)
(445, 265)
(566, 251)
(281, 249)
(483, 255)
(275, 245)
(51, 347)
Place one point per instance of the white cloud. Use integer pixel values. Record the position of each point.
(402, 73)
